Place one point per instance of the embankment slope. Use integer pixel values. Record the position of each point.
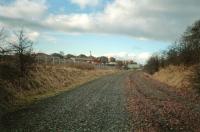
(178, 77)
(45, 81)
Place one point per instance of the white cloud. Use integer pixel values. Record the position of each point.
(120, 55)
(71, 23)
(152, 19)
(30, 34)
(26, 9)
(51, 39)
(139, 57)
(142, 57)
(33, 35)
(161, 20)
(85, 3)
(23, 14)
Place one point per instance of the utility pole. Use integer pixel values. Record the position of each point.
(90, 53)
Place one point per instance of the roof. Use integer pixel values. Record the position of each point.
(41, 54)
(133, 66)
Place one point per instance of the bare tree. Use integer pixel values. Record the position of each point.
(22, 48)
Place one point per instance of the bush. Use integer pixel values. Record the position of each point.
(152, 65)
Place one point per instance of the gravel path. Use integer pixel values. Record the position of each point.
(123, 102)
(96, 106)
(157, 108)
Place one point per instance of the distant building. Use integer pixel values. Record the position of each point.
(103, 59)
(132, 62)
(112, 64)
(79, 59)
(96, 61)
(111, 59)
(133, 66)
(41, 55)
(68, 56)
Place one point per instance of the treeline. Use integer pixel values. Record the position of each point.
(184, 52)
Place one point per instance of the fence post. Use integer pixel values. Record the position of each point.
(46, 60)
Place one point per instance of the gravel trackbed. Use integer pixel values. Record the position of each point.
(124, 102)
(95, 106)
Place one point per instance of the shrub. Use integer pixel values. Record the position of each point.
(152, 65)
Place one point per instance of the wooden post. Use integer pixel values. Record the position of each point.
(46, 60)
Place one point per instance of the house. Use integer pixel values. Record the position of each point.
(41, 55)
(133, 66)
(111, 59)
(112, 64)
(79, 59)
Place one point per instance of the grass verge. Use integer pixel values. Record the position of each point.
(46, 81)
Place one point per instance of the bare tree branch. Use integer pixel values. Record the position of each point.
(22, 47)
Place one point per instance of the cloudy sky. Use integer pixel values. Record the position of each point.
(120, 28)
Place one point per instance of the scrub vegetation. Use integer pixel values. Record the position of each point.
(183, 54)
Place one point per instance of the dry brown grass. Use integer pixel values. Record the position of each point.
(175, 76)
(45, 81)
(180, 79)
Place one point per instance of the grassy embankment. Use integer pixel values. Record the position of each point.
(177, 76)
(184, 55)
(46, 81)
(180, 78)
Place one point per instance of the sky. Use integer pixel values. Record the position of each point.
(125, 29)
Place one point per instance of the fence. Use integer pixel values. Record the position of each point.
(57, 61)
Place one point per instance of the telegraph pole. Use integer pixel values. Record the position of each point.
(90, 53)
